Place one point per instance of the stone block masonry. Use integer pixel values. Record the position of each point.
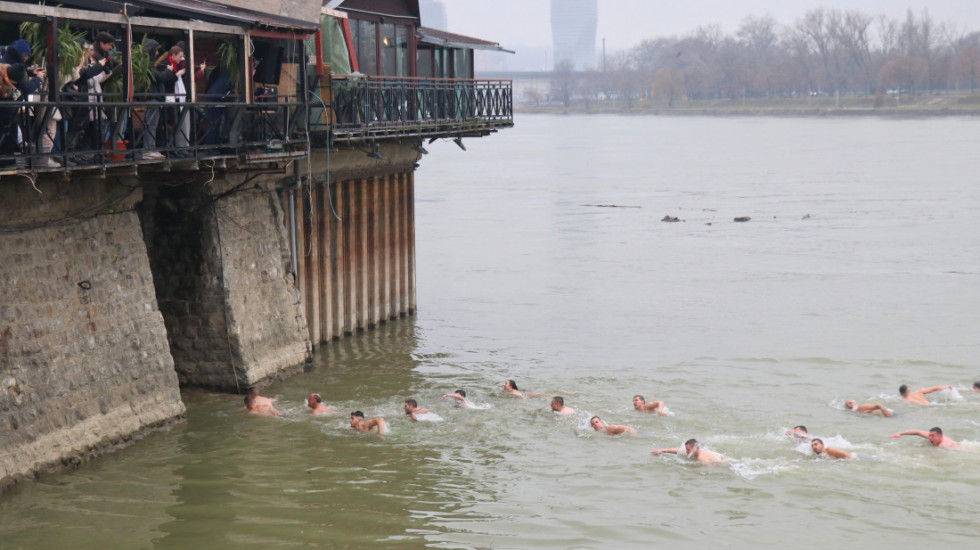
(84, 359)
(221, 269)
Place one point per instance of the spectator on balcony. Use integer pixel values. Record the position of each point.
(85, 124)
(184, 135)
(173, 59)
(163, 78)
(217, 91)
(21, 81)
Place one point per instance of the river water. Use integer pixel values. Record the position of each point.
(542, 257)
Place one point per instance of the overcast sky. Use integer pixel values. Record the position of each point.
(526, 25)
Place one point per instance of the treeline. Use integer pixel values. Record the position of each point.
(828, 51)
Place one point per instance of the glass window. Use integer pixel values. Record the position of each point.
(425, 62)
(401, 47)
(437, 64)
(367, 47)
(461, 64)
(389, 59)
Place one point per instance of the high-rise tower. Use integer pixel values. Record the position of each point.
(573, 29)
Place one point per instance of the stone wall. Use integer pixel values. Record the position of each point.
(221, 268)
(84, 359)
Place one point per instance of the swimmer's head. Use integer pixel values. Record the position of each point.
(976, 386)
(638, 401)
(356, 418)
(252, 390)
(691, 446)
(850, 405)
(461, 393)
(935, 436)
(313, 400)
(510, 385)
(249, 401)
(410, 405)
(595, 422)
(817, 445)
(557, 403)
(903, 389)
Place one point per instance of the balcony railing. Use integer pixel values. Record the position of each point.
(385, 107)
(97, 131)
(92, 131)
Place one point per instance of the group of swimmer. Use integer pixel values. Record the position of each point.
(934, 435)
(257, 404)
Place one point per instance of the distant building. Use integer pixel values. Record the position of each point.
(573, 30)
(434, 14)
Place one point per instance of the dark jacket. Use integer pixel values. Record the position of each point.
(163, 79)
(27, 83)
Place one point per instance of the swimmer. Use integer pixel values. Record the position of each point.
(253, 406)
(558, 405)
(976, 386)
(511, 387)
(412, 409)
(653, 407)
(832, 452)
(868, 408)
(934, 435)
(259, 400)
(460, 397)
(315, 403)
(693, 450)
(358, 423)
(611, 429)
(799, 432)
(919, 396)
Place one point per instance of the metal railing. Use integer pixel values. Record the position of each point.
(85, 130)
(98, 130)
(376, 107)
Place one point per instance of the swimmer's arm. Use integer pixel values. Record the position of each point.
(919, 433)
(655, 407)
(455, 396)
(878, 407)
(668, 451)
(935, 388)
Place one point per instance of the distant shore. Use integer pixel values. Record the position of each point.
(905, 107)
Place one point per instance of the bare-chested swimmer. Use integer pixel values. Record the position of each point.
(315, 403)
(652, 407)
(976, 386)
(511, 387)
(799, 432)
(611, 429)
(831, 452)
(693, 450)
(266, 409)
(934, 435)
(867, 408)
(259, 400)
(919, 396)
(412, 409)
(558, 405)
(460, 397)
(358, 422)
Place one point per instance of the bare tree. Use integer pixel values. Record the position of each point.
(563, 82)
(668, 84)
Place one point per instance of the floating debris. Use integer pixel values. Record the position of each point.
(806, 217)
(611, 206)
(742, 219)
(670, 219)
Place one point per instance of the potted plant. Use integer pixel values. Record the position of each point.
(69, 46)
